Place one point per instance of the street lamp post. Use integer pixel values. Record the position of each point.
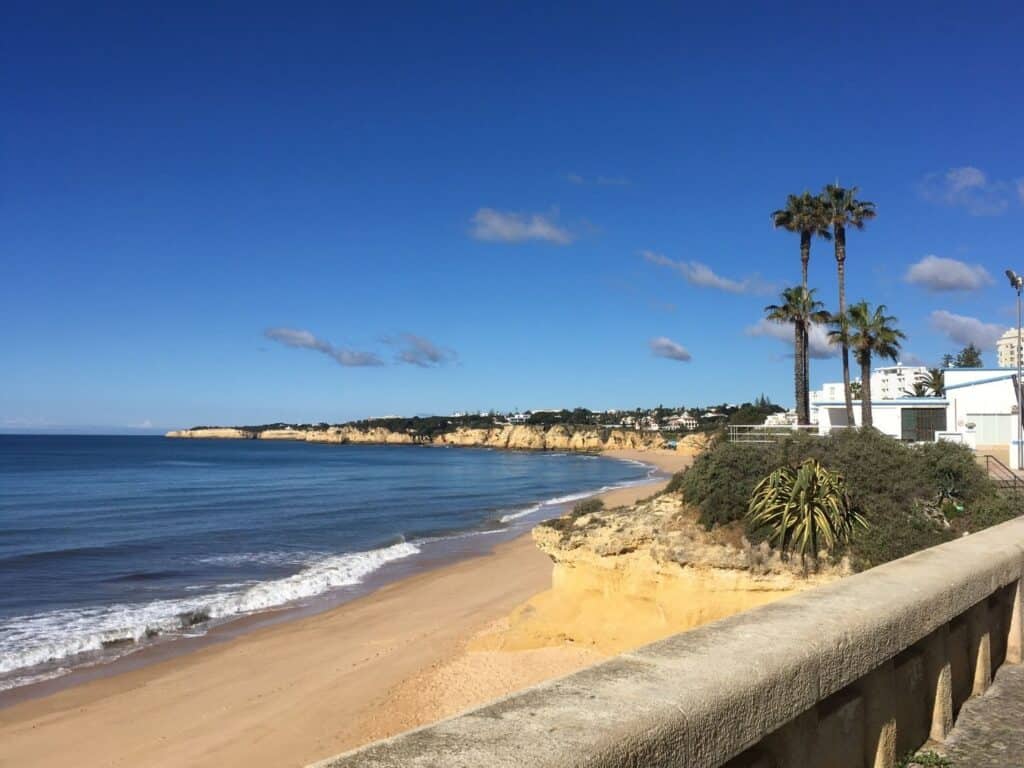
(1017, 282)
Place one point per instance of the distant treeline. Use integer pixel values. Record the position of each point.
(429, 426)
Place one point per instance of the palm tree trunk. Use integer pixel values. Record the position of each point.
(803, 415)
(798, 368)
(805, 256)
(840, 234)
(866, 419)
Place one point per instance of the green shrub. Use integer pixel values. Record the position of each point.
(587, 507)
(954, 471)
(891, 483)
(990, 511)
(721, 480)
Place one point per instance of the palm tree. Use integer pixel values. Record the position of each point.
(807, 509)
(805, 215)
(800, 308)
(843, 209)
(869, 332)
(936, 382)
(918, 389)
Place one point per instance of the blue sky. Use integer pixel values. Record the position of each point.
(258, 213)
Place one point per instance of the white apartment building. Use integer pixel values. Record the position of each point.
(1006, 349)
(894, 381)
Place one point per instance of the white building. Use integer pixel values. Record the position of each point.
(891, 382)
(979, 409)
(681, 421)
(894, 381)
(1006, 346)
(784, 419)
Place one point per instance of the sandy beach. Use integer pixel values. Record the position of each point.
(299, 691)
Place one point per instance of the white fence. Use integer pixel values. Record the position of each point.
(764, 433)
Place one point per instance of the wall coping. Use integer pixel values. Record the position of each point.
(704, 696)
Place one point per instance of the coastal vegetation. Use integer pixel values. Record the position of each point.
(805, 509)
(910, 496)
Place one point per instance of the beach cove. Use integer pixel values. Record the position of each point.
(301, 689)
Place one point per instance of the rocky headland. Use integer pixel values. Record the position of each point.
(628, 576)
(508, 437)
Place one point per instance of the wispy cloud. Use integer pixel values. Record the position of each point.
(300, 339)
(909, 358)
(662, 346)
(512, 227)
(938, 274)
(701, 275)
(966, 330)
(818, 345)
(420, 351)
(970, 188)
(600, 181)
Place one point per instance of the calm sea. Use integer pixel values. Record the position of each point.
(108, 544)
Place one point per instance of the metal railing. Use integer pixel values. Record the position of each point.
(767, 433)
(1003, 476)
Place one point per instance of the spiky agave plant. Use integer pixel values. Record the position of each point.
(806, 509)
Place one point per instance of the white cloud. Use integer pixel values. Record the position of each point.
(511, 227)
(300, 339)
(818, 345)
(663, 346)
(703, 276)
(966, 330)
(909, 358)
(938, 274)
(420, 351)
(969, 188)
(575, 178)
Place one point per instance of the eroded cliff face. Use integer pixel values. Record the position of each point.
(512, 437)
(213, 433)
(626, 577)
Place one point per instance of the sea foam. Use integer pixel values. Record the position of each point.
(50, 637)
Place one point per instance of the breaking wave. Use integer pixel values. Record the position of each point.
(51, 637)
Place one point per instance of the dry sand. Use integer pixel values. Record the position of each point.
(289, 694)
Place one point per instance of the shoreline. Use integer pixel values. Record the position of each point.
(275, 671)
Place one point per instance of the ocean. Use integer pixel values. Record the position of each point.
(113, 544)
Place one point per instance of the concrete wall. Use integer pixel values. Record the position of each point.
(849, 674)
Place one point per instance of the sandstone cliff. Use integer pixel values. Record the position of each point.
(514, 437)
(628, 576)
(213, 433)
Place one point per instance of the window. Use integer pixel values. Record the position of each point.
(919, 425)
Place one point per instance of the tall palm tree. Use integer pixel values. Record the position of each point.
(870, 332)
(843, 210)
(800, 308)
(805, 215)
